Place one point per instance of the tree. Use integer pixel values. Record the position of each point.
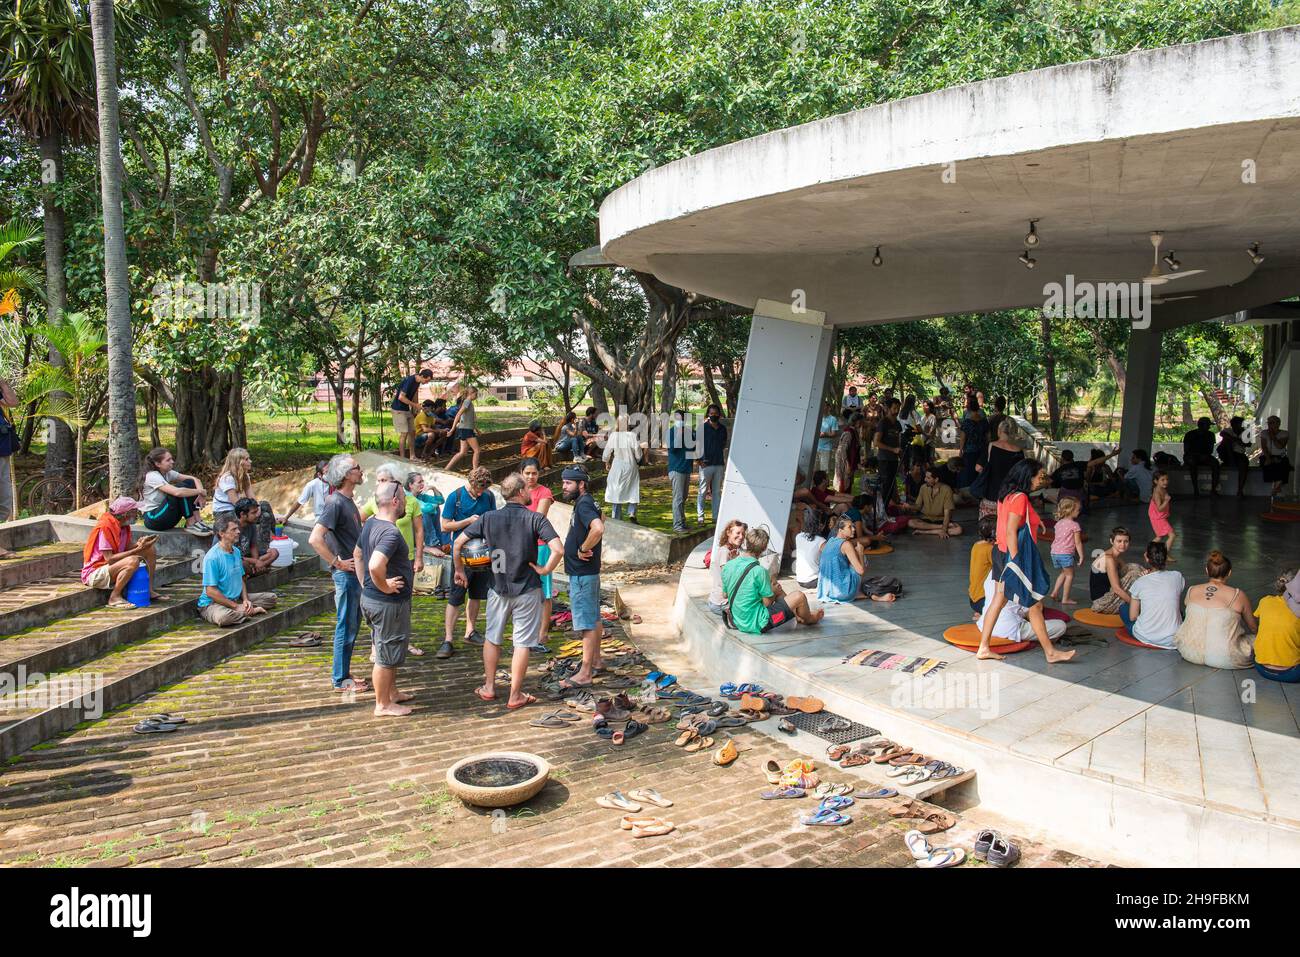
(123, 431)
(71, 390)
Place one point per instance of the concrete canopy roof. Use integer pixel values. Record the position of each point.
(1101, 152)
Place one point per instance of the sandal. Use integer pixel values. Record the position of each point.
(786, 725)
(632, 729)
(772, 769)
(944, 857)
(753, 703)
(657, 829)
(630, 821)
(806, 705)
(936, 821)
(686, 737)
(876, 795)
(549, 721)
(726, 754)
(618, 801)
(890, 752)
(833, 723)
(825, 819)
(699, 744)
(154, 727)
(782, 793)
(837, 751)
(649, 796)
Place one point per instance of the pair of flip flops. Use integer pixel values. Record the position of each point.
(618, 801)
(660, 680)
(784, 793)
(737, 691)
(927, 856)
(160, 724)
(556, 719)
(647, 826)
(827, 789)
(308, 639)
(932, 819)
(825, 817)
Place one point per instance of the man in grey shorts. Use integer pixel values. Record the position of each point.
(512, 533)
(387, 575)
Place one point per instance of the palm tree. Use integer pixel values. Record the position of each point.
(15, 280)
(47, 91)
(64, 391)
(123, 431)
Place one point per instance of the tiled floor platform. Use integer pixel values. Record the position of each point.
(1132, 753)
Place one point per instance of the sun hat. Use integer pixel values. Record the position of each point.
(123, 504)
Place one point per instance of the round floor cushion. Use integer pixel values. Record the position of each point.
(1287, 506)
(1281, 516)
(1123, 635)
(1095, 619)
(1055, 614)
(967, 637)
(884, 549)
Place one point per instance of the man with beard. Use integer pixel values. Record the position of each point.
(582, 565)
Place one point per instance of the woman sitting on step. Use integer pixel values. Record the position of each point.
(842, 570)
(171, 496)
(1218, 622)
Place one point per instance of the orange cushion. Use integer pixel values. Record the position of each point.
(1281, 516)
(1123, 635)
(1287, 506)
(884, 549)
(967, 636)
(1087, 616)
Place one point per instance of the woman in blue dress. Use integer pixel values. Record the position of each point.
(842, 567)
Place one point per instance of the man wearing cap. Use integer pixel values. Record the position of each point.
(512, 534)
(582, 565)
(225, 599)
(535, 445)
(109, 559)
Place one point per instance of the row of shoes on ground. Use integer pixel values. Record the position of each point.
(908, 766)
(750, 695)
(927, 856)
(829, 813)
(995, 850)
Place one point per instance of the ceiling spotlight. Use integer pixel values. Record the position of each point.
(876, 260)
(1031, 239)
(1029, 261)
(1173, 264)
(1253, 253)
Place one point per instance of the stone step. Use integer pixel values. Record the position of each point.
(69, 641)
(63, 700)
(61, 596)
(39, 562)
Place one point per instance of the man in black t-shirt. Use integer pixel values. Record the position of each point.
(888, 449)
(1198, 450)
(387, 577)
(1070, 478)
(334, 538)
(582, 565)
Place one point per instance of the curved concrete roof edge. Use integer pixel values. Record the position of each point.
(1234, 79)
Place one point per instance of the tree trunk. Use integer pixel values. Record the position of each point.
(711, 387)
(1049, 370)
(123, 432)
(669, 393)
(1187, 412)
(59, 449)
(151, 413)
(238, 427)
(598, 397)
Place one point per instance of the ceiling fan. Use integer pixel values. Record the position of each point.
(1155, 277)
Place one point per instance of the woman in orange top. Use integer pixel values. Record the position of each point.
(535, 446)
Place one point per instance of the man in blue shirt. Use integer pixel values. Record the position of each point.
(225, 599)
(461, 508)
(681, 449)
(712, 438)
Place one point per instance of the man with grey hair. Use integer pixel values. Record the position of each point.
(387, 579)
(334, 537)
(512, 534)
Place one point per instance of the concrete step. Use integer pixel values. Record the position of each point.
(58, 703)
(70, 641)
(38, 562)
(61, 596)
(26, 532)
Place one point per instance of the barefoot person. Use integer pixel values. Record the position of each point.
(1216, 630)
(225, 599)
(1017, 566)
(1067, 548)
(1277, 643)
(754, 604)
(842, 570)
(1110, 576)
(934, 505)
(1154, 614)
(109, 559)
(582, 565)
(387, 577)
(1159, 509)
(512, 533)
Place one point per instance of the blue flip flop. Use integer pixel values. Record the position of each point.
(665, 681)
(836, 803)
(876, 795)
(825, 819)
(781, 793)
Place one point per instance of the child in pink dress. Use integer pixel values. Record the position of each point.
(1067, 547)
(1159, 509)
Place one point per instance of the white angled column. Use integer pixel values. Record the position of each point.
(1142, 367)
(776, 418)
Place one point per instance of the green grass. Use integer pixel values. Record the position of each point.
(656, 507)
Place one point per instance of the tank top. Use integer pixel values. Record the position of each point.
(1098, 581)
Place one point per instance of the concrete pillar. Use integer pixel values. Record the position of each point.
(1143, 374)
(776, 417)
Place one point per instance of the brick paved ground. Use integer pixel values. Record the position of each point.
(276, 769)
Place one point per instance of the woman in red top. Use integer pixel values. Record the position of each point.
(1018, 567)
(539, 500)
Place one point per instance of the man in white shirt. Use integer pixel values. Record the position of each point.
(1011, 624)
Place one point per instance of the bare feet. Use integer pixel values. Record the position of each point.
(403, 696)
(1068, 601)
(888, 596)
(989, 655)
(413, 650)
(392, 711)
(1054, 657)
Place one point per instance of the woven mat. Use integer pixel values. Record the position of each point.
(889, 661)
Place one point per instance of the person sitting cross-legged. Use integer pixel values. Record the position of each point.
(248, 513)
(934, 505)
(842, 569)
(109, 559)
(755, 605)
(225, 599)
(1277, 645)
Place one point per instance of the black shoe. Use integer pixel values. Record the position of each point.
(445, 650)
(474, 637)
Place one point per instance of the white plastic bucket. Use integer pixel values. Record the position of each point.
(284, 551)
